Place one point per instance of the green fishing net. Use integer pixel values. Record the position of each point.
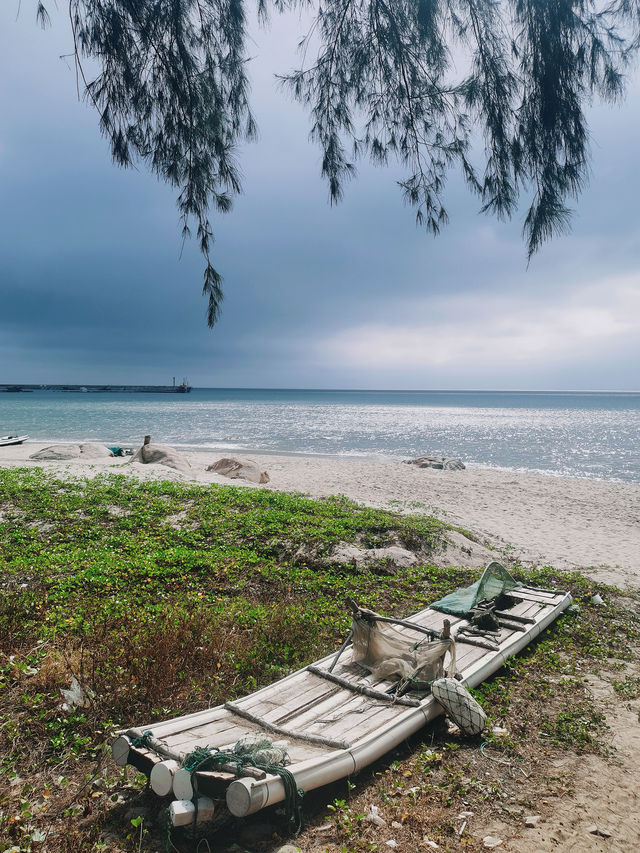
(495, 581)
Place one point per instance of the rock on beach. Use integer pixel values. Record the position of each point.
(441, 462)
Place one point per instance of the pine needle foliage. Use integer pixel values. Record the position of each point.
(428, 83)
(171, 89)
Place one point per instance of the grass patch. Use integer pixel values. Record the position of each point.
(629, 688)
(164, 598)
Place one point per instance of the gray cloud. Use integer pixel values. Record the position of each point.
(94, 287)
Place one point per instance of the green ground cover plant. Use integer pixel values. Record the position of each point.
(163, 598)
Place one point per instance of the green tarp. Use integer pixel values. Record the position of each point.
(495, 581)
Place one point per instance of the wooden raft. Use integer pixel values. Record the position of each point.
(333, 722)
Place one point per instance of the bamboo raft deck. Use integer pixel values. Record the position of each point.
(334, 722)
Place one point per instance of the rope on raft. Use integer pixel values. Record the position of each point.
(142, 740)
(280, 730)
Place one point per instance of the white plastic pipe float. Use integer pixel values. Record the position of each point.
(121, 747)
(246, 796)
(182, 785)
(161, 778)
(183, 812)
(120, 750)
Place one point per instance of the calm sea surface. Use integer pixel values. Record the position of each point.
(594, 434)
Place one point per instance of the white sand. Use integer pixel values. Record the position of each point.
(567, 522)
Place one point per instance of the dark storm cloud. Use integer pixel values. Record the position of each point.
(95, 286)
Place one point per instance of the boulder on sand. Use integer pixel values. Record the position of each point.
(236, 469)
(72, 451)
(442, 462)
(160, 454)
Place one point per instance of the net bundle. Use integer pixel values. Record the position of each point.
(387, 653)
(261, 750)
(459, 705)
(253, 751)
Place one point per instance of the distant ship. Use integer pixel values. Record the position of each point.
(183, 387)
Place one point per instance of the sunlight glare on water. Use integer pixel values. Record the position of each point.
(579, 434)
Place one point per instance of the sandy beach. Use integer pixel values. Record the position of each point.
(570, 523)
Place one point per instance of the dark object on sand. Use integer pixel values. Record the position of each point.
(160, 454)
(441, 462)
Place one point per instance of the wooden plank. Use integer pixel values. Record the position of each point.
(317, 709)
(200, 731)
(177, 724)
(350, 723)
(539, 590)
(537, 595)
(350, 706)
(324, 710)
(273, 713)
(433, 621)
(277, 712)
(488, 643)
(469, 655)
(212, 732)
(284, 693)
(231, 733)
(299, 751)
(354, 730)
(529, 608)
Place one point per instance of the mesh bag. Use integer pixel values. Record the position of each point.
(386, 652)
(459, 705)
(495, 581)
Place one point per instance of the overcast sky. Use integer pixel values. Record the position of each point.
(93, 287)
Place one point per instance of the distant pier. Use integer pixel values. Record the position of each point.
(181, 388)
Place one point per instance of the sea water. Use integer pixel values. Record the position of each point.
(583, 434)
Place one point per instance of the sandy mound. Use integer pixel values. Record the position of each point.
(160, 454)
(236, 469)
(58, 452)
